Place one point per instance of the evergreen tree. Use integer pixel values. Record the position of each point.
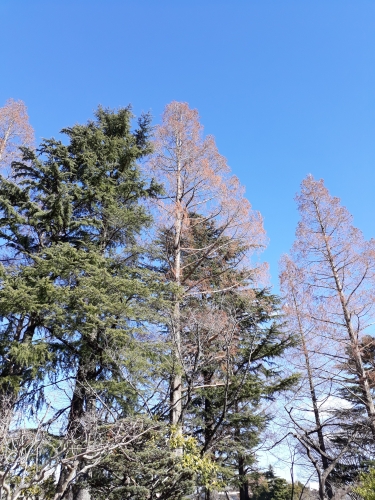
(271, 487)
(230, 345)
(354, 434)
(147, 468)
(76, 299)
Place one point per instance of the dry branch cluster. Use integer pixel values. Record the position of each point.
(32, 458)
(328, 287)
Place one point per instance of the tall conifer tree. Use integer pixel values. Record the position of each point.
(74, 293)
(197, 180)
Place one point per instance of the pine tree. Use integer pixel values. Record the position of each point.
(76, 299)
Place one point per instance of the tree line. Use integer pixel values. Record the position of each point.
(142, 351)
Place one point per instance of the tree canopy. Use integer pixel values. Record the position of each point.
(142, 352)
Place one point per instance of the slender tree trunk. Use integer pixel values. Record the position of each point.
(356, 352)
(208, 422)
(208, 425)
(243, 481)
(176, 388)
(325, 463)
(327, 486)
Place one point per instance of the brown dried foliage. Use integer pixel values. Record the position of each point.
(338, 264)
(15, 131)
(328, 287)
(199, 187)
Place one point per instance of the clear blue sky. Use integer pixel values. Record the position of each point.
(286, 87)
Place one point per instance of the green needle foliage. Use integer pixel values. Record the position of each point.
(77, 302)
(366, 488)
(73, 287)
(231, 341)
(85, 317)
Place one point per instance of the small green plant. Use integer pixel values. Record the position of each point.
(366, 487)
(203, 466)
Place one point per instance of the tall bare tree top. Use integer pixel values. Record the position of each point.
(199, 187)
(15, 131)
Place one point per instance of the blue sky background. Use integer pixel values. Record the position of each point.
(286, 87)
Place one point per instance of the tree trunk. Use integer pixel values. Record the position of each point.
(361, 372)
(208, 425)
(327, 486)
(176, 388)
(208, 420)
(82, 402)
(244, 485)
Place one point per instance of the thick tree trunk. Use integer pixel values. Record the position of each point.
(82, 402)
(244, 485)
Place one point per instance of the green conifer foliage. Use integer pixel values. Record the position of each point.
(77, 304)
(271, 487)
(71, 274)
(231, 340)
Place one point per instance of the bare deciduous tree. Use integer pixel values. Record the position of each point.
(31, 458)
(307, 358)
(329, 303)
(339, 267)
(199, 190)
(15, 131)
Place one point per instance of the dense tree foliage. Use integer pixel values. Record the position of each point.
(141, 350)
(76, 300)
